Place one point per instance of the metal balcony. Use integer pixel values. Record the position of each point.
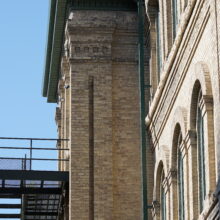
(32, 174)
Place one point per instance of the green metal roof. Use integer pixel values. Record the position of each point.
(58, 11)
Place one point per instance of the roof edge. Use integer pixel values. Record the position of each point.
(58, 11)
(50, 31)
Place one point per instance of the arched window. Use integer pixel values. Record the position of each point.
(175, 17)
(202, 142)
(180, 180)
(177, 166)
(158, 43)
(201, 152)
(160, 193)
(162, 197)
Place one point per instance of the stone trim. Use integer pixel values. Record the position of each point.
(210, 201)
(159, 97)
(170, 60)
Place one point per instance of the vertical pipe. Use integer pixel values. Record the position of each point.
(91, 148)
(141, 12)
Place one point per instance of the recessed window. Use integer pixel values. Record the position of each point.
(158, 44)
(201, 152)
(180, 180)
(175, 17)
(162, 197)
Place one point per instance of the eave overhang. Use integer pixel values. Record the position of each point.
(58, 10)
(57, 19)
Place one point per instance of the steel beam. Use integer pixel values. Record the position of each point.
(10, 206)
(9, 196)
(41, 213)
(10, 216)
(40, 199)
(31, 191)
(34, 175)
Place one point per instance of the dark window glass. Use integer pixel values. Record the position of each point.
(201, 154)
(175, 17)
(180, 180)
(162, 198)
(158, 45)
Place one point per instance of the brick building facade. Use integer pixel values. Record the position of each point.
(103, 59)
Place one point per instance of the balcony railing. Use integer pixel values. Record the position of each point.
(34, 171)
(32, 153)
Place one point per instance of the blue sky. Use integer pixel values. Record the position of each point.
(23, 111)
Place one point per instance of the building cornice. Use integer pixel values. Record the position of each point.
(57, 19)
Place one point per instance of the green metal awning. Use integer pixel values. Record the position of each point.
(58, 12)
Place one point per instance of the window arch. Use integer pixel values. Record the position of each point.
(160, 196)
(202, 143)
(197, 124)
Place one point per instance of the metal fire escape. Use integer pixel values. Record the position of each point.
(33, 179)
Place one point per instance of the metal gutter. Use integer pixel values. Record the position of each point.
(49, 46)
(141, 13)
(54, 49)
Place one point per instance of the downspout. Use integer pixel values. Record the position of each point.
(143, 136)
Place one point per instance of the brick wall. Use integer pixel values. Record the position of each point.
(193, 58)
(105, 170)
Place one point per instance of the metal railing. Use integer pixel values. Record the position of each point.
(23, 155)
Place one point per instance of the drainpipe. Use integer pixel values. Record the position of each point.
(141, 58)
